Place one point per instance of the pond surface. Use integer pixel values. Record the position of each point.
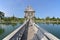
(6, 29)
(52, 28)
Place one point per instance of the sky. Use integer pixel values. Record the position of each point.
(43, 8)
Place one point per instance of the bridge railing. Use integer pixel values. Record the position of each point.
(20, 30)
(47, 34)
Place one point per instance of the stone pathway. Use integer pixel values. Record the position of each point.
(31, 33)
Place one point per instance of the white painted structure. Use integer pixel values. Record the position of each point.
(29, 13)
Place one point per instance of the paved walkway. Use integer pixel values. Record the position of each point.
(34, 33)
(32, 30)
(30, 33)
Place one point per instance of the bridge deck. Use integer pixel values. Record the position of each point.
(30, 31)
(35, 34)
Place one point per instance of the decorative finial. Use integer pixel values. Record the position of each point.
(29, 8)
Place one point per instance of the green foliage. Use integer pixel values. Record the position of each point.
(1, 31)
(1, 14)
(13, 20)
(47, 18)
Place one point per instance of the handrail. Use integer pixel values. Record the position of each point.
(15, 31)
(38, 34)
(47, 34)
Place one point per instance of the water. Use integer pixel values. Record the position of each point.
(52, 28)
(6, 29)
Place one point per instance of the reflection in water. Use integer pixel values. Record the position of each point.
(52, 28)
(14, 24)
(6, 29)
(1, 31)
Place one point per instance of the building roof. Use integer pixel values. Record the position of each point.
(29, 8)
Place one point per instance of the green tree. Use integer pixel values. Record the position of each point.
(53, 18)
(47, 18)
(1, 15)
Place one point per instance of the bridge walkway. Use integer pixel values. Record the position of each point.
(30, 31)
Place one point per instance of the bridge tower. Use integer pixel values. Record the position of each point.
(29, 13)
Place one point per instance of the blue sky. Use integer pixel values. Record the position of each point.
(43, 8)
